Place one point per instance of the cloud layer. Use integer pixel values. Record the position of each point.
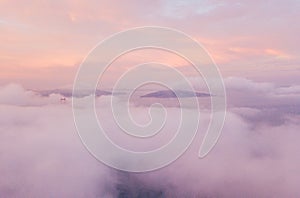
(257, 155)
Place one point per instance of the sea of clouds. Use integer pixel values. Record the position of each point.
(257, 155)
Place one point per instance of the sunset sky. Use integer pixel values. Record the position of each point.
(44, 42)
(56, 141)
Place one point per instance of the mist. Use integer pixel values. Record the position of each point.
(257, 155)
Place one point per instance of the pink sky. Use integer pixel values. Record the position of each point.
(43, 42)
(255, 45)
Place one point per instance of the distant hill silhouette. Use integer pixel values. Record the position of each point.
(174, 94)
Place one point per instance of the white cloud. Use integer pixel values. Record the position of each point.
(15, 94)
(42, 155)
